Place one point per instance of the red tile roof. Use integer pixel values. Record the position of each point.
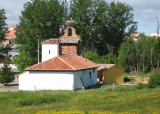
(63, 63)
(51, 41)
(11, 34)
(60, 40)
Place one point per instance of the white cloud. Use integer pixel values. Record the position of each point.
(148, 11)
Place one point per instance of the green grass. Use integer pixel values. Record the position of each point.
(124, 99)
(143, 74)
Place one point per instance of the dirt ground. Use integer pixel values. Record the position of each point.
(12, 87)
(138, 80)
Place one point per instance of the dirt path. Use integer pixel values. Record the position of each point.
(12, 87)
(138, 80)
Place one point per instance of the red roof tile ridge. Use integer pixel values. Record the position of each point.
(66, 63)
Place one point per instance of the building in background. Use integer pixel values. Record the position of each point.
(135, 35)
(10, 40)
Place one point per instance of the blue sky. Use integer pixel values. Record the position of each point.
(145, 12)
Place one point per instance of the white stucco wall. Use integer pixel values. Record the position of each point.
(42, 80)
(52, 48)
(49, 80)
(25, 81)
(82, 78)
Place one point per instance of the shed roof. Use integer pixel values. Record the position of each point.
(11, 34)
(63, 63)
(106, 66)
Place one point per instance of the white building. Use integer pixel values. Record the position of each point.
(67, 72)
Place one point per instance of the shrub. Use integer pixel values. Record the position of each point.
(6, 75)
(154, 81)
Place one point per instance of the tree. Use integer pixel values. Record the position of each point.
(3, 31)
(120, 23)
(144, 53)
(156, 53)
(6, 76)
(40, 20)
(101, 24)
(23, 60)
(82, 12)
(157, 26)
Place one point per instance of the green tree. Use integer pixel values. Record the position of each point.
(91, 56)
(94, 57)
(3, 30)
(100, 23)
(144, 52)
(6, 75)
(126, 58)
(156, 53)
(99, 26)
(82, 12)
(111, 59)
(40, 20)
(120, 23)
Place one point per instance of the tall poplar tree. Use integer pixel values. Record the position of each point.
(40, 20)
(120, 23)
(3, 30)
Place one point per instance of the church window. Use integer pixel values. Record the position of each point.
(69, 32)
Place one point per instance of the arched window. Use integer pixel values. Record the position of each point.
(69, 32)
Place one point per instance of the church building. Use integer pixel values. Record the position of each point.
(62, 67)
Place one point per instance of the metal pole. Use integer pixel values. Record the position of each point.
(38, 50)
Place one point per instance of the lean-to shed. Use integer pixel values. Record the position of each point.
(110, 74)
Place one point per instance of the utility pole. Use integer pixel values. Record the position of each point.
(38, 50)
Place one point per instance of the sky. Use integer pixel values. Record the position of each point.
(145, 12)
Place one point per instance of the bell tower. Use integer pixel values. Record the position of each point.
(70, 42)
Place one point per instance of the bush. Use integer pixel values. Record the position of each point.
(90, 55)
(6, 75)
(154, 81)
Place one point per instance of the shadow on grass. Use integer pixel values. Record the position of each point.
(94, 86)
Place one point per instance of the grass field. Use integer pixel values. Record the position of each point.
(124, 99)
